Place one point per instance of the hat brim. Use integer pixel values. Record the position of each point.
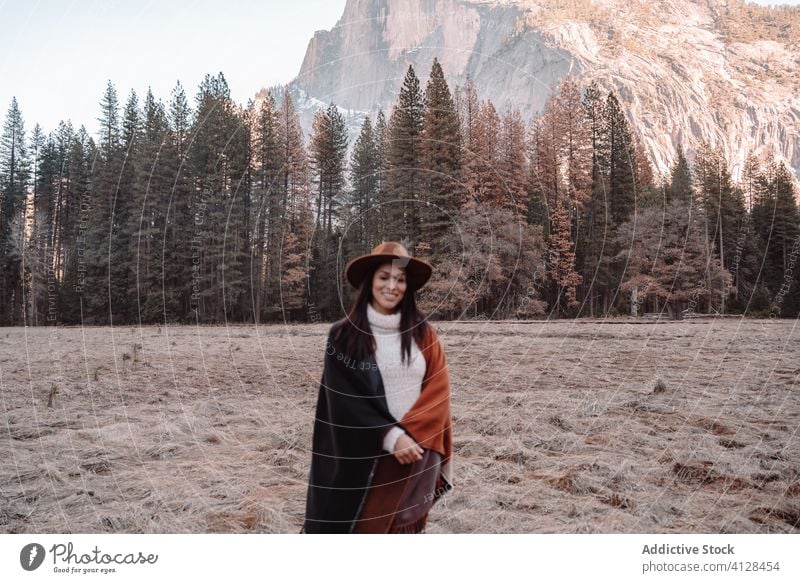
(418, 272)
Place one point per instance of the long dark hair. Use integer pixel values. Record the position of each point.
(355, 337)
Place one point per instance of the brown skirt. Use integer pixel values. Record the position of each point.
(401, 496)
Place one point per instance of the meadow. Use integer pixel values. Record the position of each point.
(579, 426)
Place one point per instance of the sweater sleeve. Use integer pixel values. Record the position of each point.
(391, 438)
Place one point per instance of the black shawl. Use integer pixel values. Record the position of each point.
(352, 418)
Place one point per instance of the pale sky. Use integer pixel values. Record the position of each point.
(56, 56)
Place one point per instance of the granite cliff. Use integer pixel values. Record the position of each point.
(726, 72)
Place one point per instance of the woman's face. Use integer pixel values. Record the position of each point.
(388, 288)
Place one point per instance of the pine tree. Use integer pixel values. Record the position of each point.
(680, 184)
(441, 161)
(40, 227)
(595, 251)
(102, 232)
(513, 163)
(537, 210)
(575, 157)
(109, 121)
(381, 170)
(576, 150)
(14, 178)
(271, 213)
(467, 106)
(722, 206)
(328, 155)
(179, 228)
(296, 186)
(779, 226)
(404, 160)
(74, 223)
(219, 159)
(328, 149)
(363, 202)
(561, 259)
(750, 180)
(483, 159)
(150, 298)
(621, 162)
(123, 306)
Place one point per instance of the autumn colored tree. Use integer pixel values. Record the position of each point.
(498, 272)
(513, 165)
(668, 262)
(482, 177)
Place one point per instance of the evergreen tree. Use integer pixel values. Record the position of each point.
(381, 165)
(750, 180)
(74, 223)
(102, 233)
(123, 306)
(219, 159)
(150, 298)
(467, 106)
(14, 178)
(680, 184)
(363, 204)
(38, 242)
(178, 244)
(270, 202)
(775, 219)
(404, 162)
(513, 163)
(561, 260)
(109, 121)
(441, 160)
(296, 185)
(63, 210)
(621, 162)
(721, 205)
(328, 155)
(328, 150)
(483, 159)
(595, 251)
(560, 146)
(537, 210)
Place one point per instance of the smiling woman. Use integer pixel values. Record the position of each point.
(382, 439)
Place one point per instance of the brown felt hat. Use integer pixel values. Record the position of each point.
(417, 271)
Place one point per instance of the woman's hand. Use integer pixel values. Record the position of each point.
(406, 450)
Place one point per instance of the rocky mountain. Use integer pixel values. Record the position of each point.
(723, 71)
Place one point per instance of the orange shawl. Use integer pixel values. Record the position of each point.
(429, 421)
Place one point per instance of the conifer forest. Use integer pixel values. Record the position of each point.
(199, 210)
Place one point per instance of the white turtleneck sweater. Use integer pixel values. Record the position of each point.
(402, 382)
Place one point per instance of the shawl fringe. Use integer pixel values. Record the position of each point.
(415, 527)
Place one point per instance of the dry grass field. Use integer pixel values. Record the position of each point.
(570, 427)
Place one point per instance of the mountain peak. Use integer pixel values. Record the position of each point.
(720, 71)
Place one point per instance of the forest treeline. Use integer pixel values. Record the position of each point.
(220, 213)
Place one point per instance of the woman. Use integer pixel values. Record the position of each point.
(382, 439)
